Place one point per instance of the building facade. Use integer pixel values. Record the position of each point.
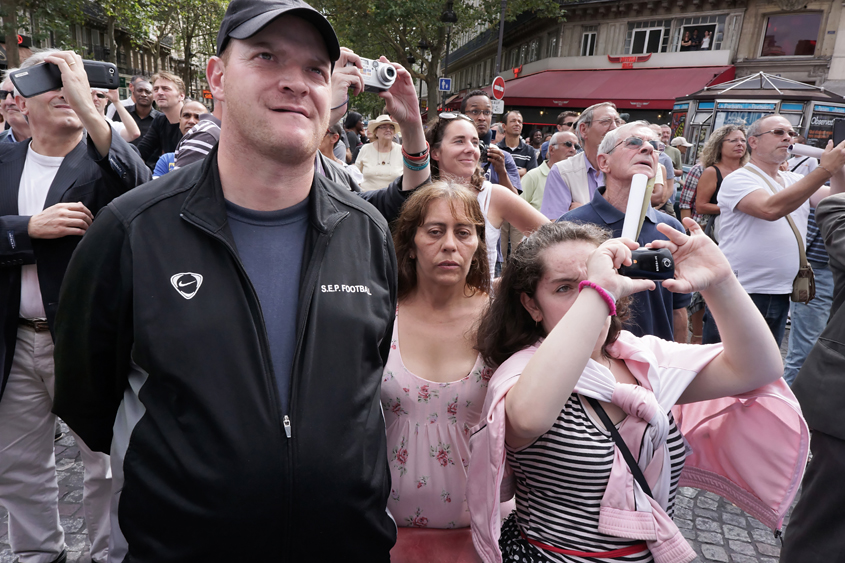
(642, 54)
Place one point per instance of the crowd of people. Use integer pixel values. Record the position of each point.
(273, 340)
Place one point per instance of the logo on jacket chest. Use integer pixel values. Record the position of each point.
(331, 288)
(186, 283)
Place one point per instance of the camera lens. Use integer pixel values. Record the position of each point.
(387, 75)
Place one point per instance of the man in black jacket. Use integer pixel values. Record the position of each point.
(163, 135)
(813, 534)
(50, 190)
(204, 327)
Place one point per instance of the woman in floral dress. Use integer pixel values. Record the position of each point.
(434, 382)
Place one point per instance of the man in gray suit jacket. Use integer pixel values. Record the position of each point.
(50, 190)
(815, 531)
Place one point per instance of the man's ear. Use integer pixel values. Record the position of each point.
(603, 160)
(20, 101)
(531, 306)
(214, 74)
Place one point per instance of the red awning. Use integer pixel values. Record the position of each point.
(642, 88)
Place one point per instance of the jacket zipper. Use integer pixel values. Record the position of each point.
(310, 283)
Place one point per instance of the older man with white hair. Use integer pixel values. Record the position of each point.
(562, 145)
(755, 201)
(573, 182)
(18, 126)
(626, 151)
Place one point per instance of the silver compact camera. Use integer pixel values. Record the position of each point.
(378, 76)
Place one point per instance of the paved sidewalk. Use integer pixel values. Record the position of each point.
(716, 529)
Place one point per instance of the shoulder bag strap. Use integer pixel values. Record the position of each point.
(801, 253)
(794, 168)
(623, 447)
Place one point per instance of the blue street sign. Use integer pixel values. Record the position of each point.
(445, 84)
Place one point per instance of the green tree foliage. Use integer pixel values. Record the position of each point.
(394, 28)
(46, 19)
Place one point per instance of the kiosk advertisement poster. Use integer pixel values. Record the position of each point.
(679, 120)
(820, 130)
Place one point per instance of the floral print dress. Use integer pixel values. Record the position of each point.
(428, 428)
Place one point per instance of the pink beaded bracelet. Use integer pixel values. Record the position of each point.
(606, 295)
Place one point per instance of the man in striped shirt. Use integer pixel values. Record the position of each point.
(199, 141)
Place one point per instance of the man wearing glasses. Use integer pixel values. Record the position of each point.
(565, 123)
(624, 152)
(500, 167)
(18, 126)
(754, 203)
(574, 181)
(562, 145)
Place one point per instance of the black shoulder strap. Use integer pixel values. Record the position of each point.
(718, 177)
(623, 447)
(794, 168)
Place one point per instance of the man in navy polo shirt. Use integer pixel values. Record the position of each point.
(523, 154)
(623, 153)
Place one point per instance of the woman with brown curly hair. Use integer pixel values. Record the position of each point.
(455, 157)
(434, 380)
(724, 152)
(565, 366)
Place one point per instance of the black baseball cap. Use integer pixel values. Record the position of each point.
(245, 18)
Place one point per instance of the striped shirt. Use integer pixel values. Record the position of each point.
(562, 477)
(198, 142)
(815, 242)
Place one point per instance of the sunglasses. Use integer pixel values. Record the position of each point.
(6, 93)
(569, 124)
(449, 115)
(779, 133)
(633, 142)
(100, 95)
(568, 144)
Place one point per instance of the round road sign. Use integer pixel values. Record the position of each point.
(498, 87)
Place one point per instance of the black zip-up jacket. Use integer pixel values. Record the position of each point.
(181, 369)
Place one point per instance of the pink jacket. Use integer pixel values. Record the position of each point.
(729, 458)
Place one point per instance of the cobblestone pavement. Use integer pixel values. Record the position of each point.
(716, 529)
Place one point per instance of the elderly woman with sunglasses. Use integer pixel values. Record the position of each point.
(454, 156)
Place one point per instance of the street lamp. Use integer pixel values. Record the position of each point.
(449, 17)
(423, 47)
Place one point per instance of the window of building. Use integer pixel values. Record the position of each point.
(513, 58)
(703, 33)
(791, 35)
(533, 51)
(648, 37)
(588, 41)
(551, 45)
(523, 54)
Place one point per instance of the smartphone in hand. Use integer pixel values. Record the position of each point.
(45, 77)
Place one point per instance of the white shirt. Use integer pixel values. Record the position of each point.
(807, 164)
(763, 254)
(111, 110)
(38, 174)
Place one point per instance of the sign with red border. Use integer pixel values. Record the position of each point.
(498, 87)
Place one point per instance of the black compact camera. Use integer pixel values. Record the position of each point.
(650, 264)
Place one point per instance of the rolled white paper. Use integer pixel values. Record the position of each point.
(635, 206)
(806, 150)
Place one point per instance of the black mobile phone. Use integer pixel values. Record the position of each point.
(838, 131)
(493, 135)
(45, 77)
(650, 264)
